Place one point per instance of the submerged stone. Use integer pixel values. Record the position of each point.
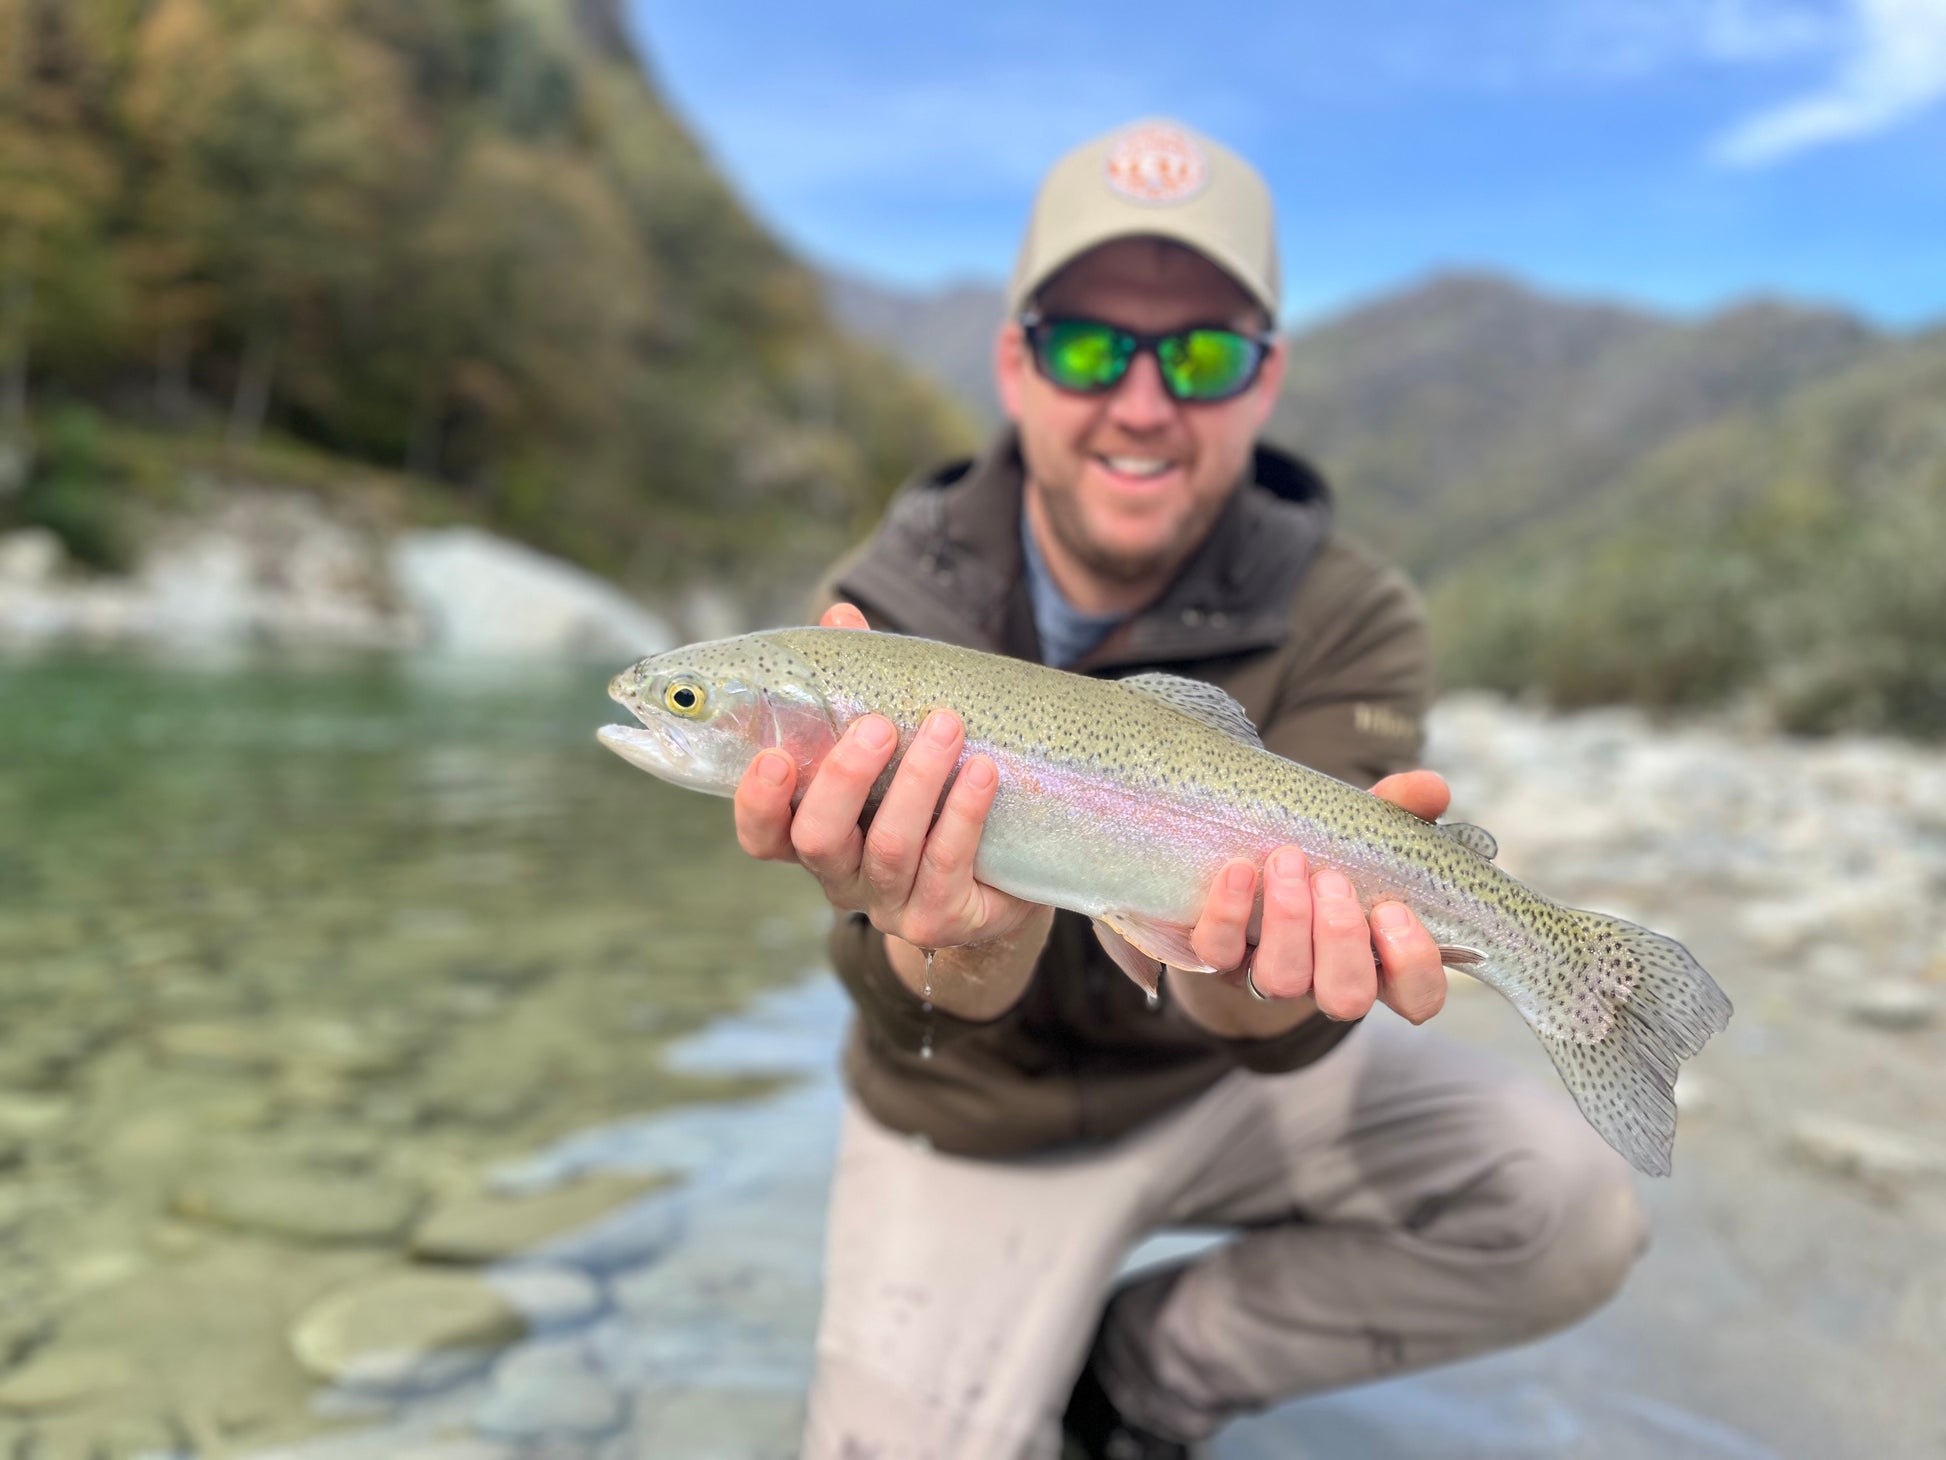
(302, 1206)
(57, 1378)
(405, 1330)
(491, 1227)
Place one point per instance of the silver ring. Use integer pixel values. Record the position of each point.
(1250, 982)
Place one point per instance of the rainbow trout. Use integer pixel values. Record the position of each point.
(1121, 800)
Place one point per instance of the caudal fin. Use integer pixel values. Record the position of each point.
(1638, 1005)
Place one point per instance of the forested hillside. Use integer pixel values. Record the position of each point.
(460, 240)
(1468, 409)
(1793, 554)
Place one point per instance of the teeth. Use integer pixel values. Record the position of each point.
(1138, 466)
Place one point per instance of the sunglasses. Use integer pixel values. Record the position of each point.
(1201, 363)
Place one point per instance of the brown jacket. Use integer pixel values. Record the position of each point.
(1325, 648)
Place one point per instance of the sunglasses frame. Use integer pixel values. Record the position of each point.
(1032, 322)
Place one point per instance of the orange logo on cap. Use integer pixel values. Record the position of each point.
(1156, 165)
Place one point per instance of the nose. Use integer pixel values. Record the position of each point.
(1139, 403)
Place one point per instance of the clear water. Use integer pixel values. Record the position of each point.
(375, 924)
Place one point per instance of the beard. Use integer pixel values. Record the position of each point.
(1067, 520)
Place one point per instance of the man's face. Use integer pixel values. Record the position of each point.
(1131, 480)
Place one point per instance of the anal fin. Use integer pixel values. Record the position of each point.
(1146, 972)
(1164, 942)
(1457, 955)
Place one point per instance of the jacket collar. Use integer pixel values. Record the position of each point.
(946, 564)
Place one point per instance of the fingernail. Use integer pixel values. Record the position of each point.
(1333, 884)
(875, 733)
(1391, 916)
(1239, 880)
(1286, 864)
(771, 769)
(940, 728)
(979, 774)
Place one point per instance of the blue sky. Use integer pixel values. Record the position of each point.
(1681, 153)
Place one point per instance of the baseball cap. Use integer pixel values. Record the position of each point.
(1154, 178)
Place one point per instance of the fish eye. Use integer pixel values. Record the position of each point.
(684, 698)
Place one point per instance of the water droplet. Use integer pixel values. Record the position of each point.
(925, 1007)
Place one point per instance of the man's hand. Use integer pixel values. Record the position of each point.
(912, 875)
(1315, 939)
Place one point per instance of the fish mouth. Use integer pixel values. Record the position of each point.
(653, 749)
(665, 753)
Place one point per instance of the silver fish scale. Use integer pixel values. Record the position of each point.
(1027, 715)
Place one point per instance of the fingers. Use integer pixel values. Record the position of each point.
(900, 825)
(1282, 965)
(1411, 979)
(843, 616)
(1424, 793)
(1220, 936)
(945, 890)
(825, 832)
(1344, 979)
(763, 807)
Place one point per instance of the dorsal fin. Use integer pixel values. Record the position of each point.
(1199, 701)
(1474, 838)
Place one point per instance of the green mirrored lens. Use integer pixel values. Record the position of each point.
(1084, 356)
(1206, 364)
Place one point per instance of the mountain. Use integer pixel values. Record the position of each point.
(467, 243)
(946, 334)
(1785, 555)
(1469, 407)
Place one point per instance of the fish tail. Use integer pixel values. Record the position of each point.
(1620, 1009)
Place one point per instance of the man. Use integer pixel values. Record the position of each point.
(1021, 1114)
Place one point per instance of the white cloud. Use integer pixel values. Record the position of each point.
(1896, 68)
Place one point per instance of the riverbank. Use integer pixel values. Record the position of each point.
(252, 568)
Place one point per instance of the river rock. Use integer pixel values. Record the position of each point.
(1695, 1094)
(302, 1206)
(58, 1378)
(405, 1330)
(240, 1047)
(479, 594)
(1868, 1152)
(491, 1227)
(30, 557)
(1893, 1004)
(550, 1297)
(30, 1115)
(548, 1391)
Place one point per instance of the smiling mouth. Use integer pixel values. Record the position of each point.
(1136, 468)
